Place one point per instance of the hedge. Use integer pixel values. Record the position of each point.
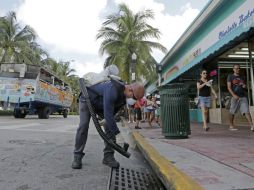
(6, 112)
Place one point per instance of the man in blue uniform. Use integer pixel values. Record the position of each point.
(107, 98)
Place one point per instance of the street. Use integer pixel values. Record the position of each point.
(37, 154)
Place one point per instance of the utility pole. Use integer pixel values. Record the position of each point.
(158, 70)
(133, 66)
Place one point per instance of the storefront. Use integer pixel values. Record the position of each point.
(222, 35)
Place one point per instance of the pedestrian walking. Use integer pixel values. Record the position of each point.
(138, 116)
(150, 108)
(204, 89)
(157, 111)
(130, 109)
(145, 108)
(236, 87)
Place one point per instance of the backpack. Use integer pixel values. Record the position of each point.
(110, 72)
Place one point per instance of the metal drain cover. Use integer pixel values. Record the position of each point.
(130, 179)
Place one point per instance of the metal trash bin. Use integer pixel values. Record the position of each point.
(175, 117)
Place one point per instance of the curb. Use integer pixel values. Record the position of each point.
(170, 176)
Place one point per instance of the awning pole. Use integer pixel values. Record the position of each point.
(248, 79)
(251, 69)
(219, 90)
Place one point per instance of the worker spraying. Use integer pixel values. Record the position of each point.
(107, 95)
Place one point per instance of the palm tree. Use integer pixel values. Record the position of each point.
(67, 74)
(73, 81)
(51, 64)
(65, 70)
(37, 54)
(125, 33)
(17, 44)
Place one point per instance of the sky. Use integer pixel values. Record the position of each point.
(67, 28)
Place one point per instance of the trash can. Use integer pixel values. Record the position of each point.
(175, 117)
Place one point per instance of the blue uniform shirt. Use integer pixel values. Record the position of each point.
(108, 98)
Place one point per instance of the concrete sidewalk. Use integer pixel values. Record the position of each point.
(215, 160)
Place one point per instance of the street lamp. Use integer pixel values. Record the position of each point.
(133, 65)
(159, 70)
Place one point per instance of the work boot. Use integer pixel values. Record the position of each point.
(77, 162)
(111, 162)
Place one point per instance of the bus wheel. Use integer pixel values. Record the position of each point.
(40, 111)
(16, 113)
(65, 113)
(45, 112)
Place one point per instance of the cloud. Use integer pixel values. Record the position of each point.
(137, 5)
(170, 26)
(68, 28)
(89, 66)
(2, 12)
(67, 24)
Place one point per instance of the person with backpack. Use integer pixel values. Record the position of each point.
(107, 97)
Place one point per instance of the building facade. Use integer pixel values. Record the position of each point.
(222, 35)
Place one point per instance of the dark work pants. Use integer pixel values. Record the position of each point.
(82, 132)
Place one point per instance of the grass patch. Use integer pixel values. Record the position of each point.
(73, 113)
(6, 112)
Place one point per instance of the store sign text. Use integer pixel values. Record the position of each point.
(192, 56)
(249, 16)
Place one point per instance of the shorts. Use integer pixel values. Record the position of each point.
(138, 113)
(241, 104)
(131, 110)
(158, 112)
(150, 110)
(204, 101)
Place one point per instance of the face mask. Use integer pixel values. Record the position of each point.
(130, 101)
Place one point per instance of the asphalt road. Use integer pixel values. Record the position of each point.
(36, 154)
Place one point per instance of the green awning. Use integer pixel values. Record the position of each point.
(218, 45)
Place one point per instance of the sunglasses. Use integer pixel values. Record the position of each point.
(204, 73)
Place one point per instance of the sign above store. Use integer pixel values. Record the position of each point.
(247, 18)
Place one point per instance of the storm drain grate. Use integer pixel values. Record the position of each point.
(130, 179)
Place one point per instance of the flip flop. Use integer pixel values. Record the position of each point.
(233, 129)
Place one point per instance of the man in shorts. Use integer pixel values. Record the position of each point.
(138, 116)
(236, 86)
